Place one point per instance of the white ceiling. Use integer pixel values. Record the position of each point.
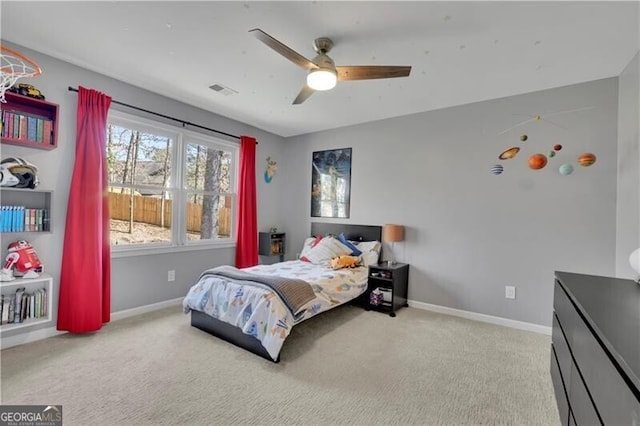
(461, 52)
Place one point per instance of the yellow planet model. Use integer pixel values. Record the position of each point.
(510, 153)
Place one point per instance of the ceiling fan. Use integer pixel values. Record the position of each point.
(323, 73)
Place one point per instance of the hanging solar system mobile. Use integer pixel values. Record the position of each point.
(543, 117)
(538, 161)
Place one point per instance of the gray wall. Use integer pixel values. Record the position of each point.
(628, 208)
(138, 280)
(470, 233)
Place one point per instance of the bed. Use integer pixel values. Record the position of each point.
(252, 309)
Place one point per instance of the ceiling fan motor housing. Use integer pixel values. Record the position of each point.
(324, 62)
(322, 45)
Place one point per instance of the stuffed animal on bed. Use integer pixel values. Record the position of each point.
(345, 261)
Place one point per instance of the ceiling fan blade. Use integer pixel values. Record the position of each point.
(282, 49)
(368, 72)
(303, 95)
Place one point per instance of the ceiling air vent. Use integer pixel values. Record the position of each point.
(222, 89)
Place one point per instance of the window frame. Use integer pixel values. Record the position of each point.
(181, 137)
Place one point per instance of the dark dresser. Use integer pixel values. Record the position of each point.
(595, 350)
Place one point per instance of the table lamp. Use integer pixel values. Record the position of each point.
(392, 233)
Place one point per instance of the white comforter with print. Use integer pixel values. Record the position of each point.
(259, 312)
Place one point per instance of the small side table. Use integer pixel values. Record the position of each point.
(393, 279)
(271, 244)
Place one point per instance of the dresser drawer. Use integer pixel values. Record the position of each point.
(614, 400)
(562, 350)
(583, 410)
(564, 310)
(572, 420)
(559, 389)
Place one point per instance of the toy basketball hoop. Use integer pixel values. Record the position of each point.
(13, 66)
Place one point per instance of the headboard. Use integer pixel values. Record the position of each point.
(352, 232)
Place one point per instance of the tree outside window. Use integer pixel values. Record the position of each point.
(168, 187)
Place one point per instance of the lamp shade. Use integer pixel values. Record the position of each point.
(322, 79)
(393, 233)
(634, 260)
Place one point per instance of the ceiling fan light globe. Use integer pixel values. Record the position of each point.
(322, 79)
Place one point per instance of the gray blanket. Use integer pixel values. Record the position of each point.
(293, 292)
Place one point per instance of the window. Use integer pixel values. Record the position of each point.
(168, 186)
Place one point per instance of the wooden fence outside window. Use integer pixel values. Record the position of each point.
(149, 210)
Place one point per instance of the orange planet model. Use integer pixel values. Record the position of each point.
(537, 161)
(586, 159)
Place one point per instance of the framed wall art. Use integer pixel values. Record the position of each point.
(331, 183)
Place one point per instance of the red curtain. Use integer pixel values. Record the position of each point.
(85, 278)
(247, 245)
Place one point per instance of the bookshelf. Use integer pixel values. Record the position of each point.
(29, 122)
(8, 290)
(29, 199)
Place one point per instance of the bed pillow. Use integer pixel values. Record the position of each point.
(354, 249)
(325, 250)
(370, 252)
(308, 244)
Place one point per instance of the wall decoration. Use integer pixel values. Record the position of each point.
(331, 183)
(544, 117)
(497, 169)
(566, 169)
(537, 161)
(586, 159)
(509, 153)
(271, 170)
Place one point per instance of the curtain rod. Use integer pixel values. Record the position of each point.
(73, 89)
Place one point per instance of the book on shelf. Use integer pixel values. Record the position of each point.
(24, 312)
(21, 219)
(26, 126)
(16, 126)
(39, 131)
(44, 297)
(18, 305)
(47, 132)
(6, 301)
(22, 131)
(23, 305)
(38, 297)
(32, 124)
(7, 309)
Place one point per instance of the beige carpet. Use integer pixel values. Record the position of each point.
(347, 366)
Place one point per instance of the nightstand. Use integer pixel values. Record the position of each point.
(393, 281)
(271, 244)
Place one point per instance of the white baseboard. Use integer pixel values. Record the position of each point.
(536, 328)
(32, 336)
(28, 337)
(44, 333)
(115, 316)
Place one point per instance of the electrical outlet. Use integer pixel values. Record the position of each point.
(510, 292)
(171, 275)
